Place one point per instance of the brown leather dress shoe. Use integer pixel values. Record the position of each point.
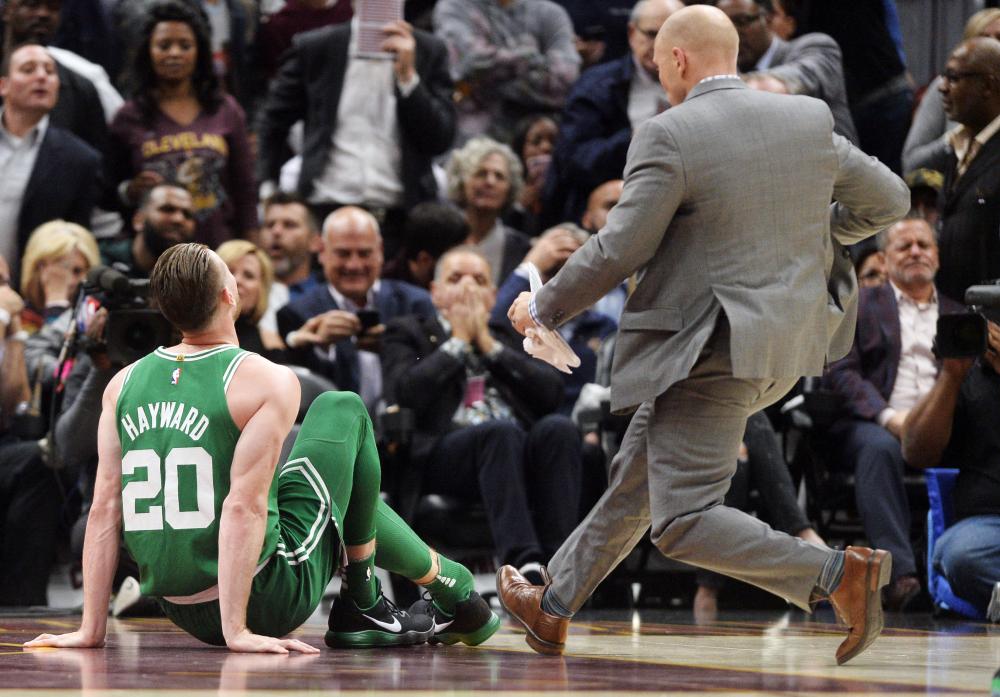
(523, 601)
(858, 598)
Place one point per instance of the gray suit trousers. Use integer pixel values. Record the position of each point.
(672, 474)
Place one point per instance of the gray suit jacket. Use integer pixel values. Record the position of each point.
(727, 207)
(812, 65)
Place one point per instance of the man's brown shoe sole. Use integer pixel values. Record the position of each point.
(546, 648)
(877, 574)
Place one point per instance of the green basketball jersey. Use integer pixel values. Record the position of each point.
(177, 442)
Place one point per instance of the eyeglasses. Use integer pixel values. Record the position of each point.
(741, 21)
(954, 76)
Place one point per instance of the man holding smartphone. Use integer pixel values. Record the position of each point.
(336, 328)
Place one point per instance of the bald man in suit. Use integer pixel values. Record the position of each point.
(743, 287)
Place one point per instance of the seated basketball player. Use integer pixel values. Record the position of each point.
(237, 553)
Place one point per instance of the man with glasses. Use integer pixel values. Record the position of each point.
(970, 202)
(809, 64)
(606, 104)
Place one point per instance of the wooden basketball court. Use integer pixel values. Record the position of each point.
(610, 653)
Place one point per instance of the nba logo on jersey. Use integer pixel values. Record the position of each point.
(175, 376)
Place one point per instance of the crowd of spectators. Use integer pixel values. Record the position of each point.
(379, 193)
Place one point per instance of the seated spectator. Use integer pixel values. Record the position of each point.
(970, 247)
(603, 108)
(485, 428)
(371, 127)
(336, 328)
(927, 144)
(180, 127)
(431, 230)
(954, 425)
(533, 143)
(869, 265)
(761, 467)
(55, 262)
(889, 369)
(484, 180)
(809, 64)
(584, 333)
(290, 236)
(30, 500)
(277, 30)
(254, 275)
(925, 190)
(508, 60)
(78, 108)
(165, 217)
(599, 204)
(48, 172)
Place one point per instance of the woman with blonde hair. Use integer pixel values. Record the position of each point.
(56, 259)
(926, 145)
(254, 277)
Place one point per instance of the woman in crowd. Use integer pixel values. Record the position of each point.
(484, 179)
(254, 276)
(55, 261)
(181, 127)
(534, 141)
(926, 145)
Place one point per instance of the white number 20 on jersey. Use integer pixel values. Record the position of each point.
(150, 488)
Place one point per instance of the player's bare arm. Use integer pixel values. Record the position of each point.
(264, 416)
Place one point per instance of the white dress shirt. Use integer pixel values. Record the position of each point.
(17, 161)
(365, 163)
(918, 368)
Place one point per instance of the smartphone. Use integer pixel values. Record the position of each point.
(368, 319)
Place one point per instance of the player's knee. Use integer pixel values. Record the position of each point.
(338, 403)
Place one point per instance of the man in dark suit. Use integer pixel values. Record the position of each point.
(809, 64)
(604, 106)
(335, 329)
(485, 422)
(890, 367)
(371, 126)
(48, 172)
(970, 201)
(78, 108)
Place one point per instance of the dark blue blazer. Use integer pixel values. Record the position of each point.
(594, 136)
(866, 376)
(63, 184)
(394, 299)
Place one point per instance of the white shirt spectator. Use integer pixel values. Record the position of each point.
(918, 368)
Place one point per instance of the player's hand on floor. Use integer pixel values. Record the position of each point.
(73, 640)
(247, 642)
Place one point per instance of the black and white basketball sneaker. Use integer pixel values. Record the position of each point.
(383, 624)
(472, 623)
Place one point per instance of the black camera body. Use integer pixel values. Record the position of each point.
(964, 335)
(133, 328)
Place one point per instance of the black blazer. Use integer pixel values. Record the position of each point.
(63, 184)
(308, 87)
(969, 224)
(395, 298)
(416, 375)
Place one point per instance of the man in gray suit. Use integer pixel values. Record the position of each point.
(810, 64)
(742, 288)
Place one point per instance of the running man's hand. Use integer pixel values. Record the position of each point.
(248, 642)
(74, 640)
